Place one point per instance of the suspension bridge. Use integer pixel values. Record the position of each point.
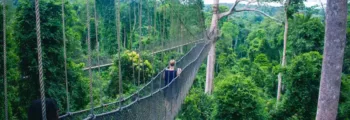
(153, 101)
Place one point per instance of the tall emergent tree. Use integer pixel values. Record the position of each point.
(290, 7)
(213, 35)
(285, 37)
(335, 38)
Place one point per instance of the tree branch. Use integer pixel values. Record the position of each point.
(232, 10)
(227, 13)
(261, 12)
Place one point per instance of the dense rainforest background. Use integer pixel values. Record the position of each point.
(248, 56)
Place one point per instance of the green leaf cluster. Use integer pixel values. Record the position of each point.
(133, 67)
(301, 82)
(237, 97)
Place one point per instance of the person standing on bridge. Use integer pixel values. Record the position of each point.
(170, 73)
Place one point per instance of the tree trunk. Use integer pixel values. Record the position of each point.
(210, 70)
(211, 55)
(335, 39)
(285, 37)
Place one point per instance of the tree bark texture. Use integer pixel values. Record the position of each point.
(211, 55)
(334, 45)
(210, 70)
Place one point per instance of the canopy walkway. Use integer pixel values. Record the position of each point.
(154, 100)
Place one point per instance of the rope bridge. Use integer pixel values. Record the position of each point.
(154, 100)
(165, 102)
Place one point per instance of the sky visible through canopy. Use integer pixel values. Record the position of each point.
(307, 3)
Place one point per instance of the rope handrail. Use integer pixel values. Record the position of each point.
(130, 96)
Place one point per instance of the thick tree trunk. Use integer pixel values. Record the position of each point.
(210, 70)
(285, 38)
(211, 56)
(335, 39)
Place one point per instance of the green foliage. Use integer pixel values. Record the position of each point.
(294, 6)
(131, 65)
(344, 101)
(12, 66)
(346, 65)
(266, 38)
(256, 54)
(229, 31)
(106, 11)
(261, 73)
(274, 37)
(243, 66)
(302, 83)
(257, 43)
(197, 105)
(262, 61)
(226, 58)
(307, 34)
(237, 97)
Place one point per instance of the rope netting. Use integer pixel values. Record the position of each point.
(152, 87)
